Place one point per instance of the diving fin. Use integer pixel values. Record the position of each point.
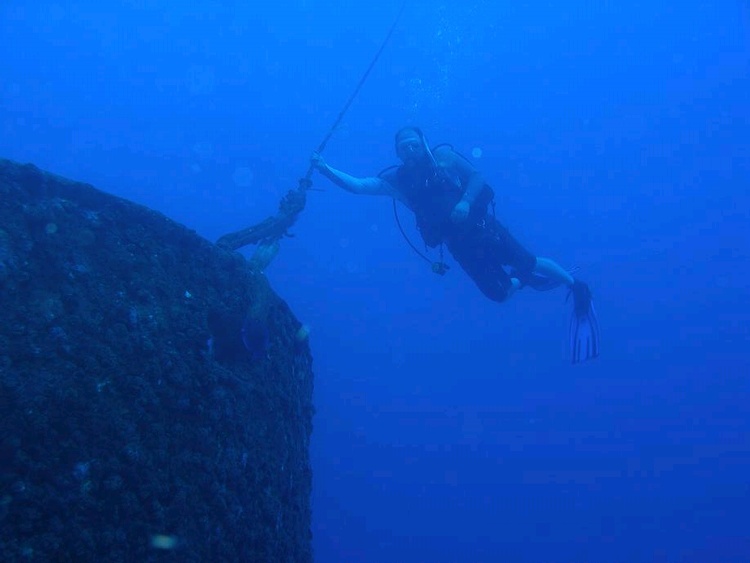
(584, 326)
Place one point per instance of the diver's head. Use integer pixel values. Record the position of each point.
(411, 146)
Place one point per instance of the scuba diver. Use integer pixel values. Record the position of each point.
(450, 200)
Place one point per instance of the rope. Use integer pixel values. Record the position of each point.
(306, 182)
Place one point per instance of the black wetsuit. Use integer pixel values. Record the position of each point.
(480, 244)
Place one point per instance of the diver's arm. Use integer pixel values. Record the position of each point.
(360, 186)
(473, 188)
(472, 179)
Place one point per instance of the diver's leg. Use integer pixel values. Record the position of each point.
(488, 275)
(552, 269)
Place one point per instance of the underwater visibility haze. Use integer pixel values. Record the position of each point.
(449, 427)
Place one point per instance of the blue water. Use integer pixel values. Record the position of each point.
(450, 428)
